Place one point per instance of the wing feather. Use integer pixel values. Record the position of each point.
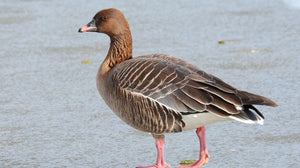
(179, 88)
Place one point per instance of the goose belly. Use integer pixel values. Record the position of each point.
(193, 121)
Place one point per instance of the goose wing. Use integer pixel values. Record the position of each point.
(182, 87)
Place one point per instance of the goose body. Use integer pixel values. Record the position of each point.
(162, 94)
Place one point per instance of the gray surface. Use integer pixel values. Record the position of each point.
(52, 116)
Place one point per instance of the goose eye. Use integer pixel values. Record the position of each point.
(103, 18)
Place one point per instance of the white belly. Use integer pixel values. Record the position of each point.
(194, 121)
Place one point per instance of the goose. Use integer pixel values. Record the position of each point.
(162, 94)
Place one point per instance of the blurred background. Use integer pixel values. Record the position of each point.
(51, 114)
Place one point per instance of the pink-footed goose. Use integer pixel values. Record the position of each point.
(164, 94)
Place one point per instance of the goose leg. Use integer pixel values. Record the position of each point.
(204, 157)
(160, 162)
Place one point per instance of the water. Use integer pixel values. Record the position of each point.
(52, 116)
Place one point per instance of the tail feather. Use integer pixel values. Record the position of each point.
(249, 114)
(250, 98)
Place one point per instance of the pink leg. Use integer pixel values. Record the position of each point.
(160, 162)
(204, 157)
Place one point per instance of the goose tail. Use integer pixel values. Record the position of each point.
(249, 114)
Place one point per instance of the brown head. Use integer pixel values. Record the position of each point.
(113, 23)
(109, 21)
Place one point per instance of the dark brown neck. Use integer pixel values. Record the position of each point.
(120, 49)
